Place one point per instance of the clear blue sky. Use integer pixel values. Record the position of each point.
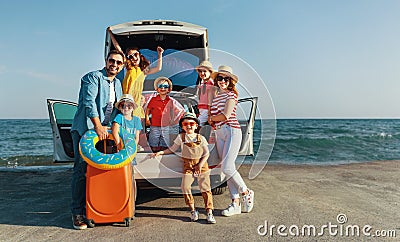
(325, 59)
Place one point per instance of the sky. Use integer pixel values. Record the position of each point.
(316, 59)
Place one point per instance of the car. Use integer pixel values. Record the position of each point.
(186, 45)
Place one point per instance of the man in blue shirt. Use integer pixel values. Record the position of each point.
(99, 91)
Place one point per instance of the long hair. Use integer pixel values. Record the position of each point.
(144, 63)
(231, 85)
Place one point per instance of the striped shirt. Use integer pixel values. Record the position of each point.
(218, 106)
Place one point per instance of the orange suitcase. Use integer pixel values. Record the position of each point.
(109, 195)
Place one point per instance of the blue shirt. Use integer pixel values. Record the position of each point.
(130, 125)
(94, 96)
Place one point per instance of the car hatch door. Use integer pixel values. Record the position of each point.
(61, 114)
(246, 113)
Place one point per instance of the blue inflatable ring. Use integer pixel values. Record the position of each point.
(97, 159)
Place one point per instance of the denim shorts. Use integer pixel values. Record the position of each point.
(161, 136)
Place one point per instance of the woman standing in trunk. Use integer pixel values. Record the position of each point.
(137, 68)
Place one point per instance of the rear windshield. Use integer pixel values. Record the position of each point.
(182, 53)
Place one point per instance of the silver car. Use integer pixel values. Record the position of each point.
(186, 45)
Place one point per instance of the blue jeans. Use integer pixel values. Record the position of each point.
(78, 186)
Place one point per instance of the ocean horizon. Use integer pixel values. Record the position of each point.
(311, 141)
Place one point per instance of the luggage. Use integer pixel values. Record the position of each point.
(109, 195)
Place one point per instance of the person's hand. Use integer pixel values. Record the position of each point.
(160, 50)
(210, 122)
(197, 170)
(101, 131)
(155, 154)
(119, 146)
(148, 123)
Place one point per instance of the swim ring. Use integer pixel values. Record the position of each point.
(97, 159)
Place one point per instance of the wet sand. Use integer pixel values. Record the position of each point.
(34, 206)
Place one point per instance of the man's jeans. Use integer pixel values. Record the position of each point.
(78, 186)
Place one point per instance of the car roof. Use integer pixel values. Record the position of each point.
(156, 26)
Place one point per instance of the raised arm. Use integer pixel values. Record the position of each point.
(114, 41)
(159, 62)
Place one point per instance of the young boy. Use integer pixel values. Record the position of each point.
(195, 153)
(165, 113)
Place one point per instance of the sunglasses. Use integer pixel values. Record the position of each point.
(163, 86)
(223, 78)
(129, 106)
(112, 61)
(129, 57)
(191, 123)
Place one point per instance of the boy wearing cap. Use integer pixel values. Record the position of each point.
(195, 153)
(165, 113)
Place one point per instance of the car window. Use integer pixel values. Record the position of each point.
(64, 113)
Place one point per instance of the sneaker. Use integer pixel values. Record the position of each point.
(211, 219)
(78, 222)
(140, 148)
(232, 209)
(248, 201)
(194, 215)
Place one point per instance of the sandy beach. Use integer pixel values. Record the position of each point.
(34, 206)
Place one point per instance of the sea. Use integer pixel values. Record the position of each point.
(28, 142)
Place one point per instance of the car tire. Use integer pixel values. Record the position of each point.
(219, 189)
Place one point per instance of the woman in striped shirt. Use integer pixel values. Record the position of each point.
(228, 138)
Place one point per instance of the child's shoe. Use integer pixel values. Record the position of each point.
(194, 216)
(232, 209)
(210, 218)
(248, 201)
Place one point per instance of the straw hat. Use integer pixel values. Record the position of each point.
(162, 78)
(206, 65)
(126, 98)
(189, 116)
(227, 70)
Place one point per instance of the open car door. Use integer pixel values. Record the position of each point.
(246, 113)
(61, 114)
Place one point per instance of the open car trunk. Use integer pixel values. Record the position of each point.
(185, 46)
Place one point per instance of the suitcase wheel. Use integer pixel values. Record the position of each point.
(127, 221)
(90, 223)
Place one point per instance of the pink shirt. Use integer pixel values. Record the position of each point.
(203, 90)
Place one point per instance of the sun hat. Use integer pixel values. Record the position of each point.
(162, 78)
(205, 64)
(191, 116)
(126, 98)
(227, 70)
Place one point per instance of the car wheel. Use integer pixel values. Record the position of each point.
(219, 189)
